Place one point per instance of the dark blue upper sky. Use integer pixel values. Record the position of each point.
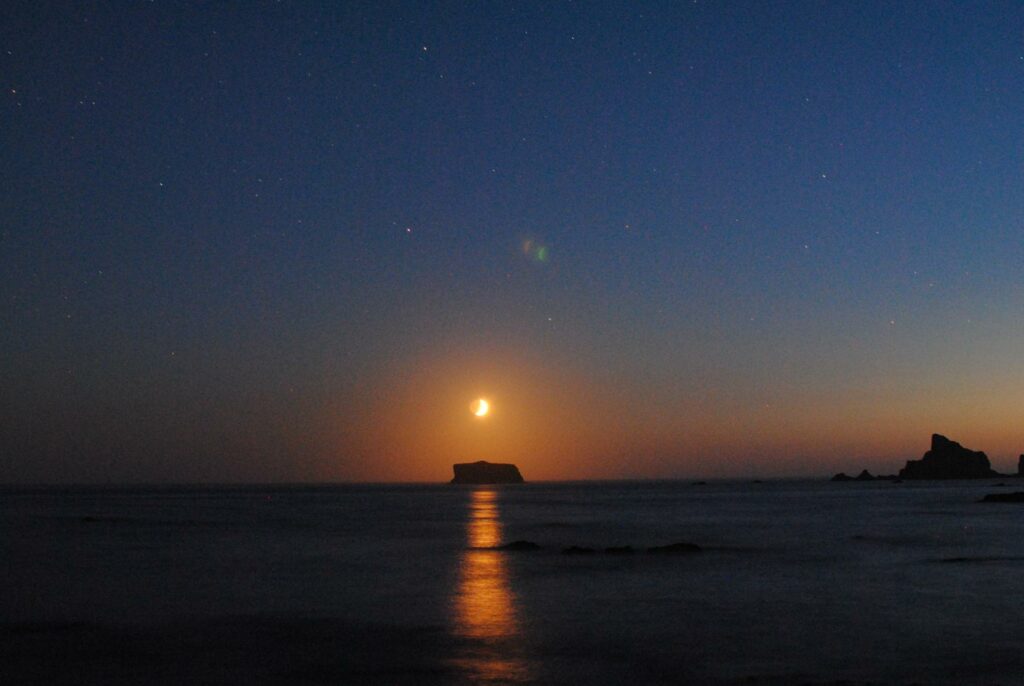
(220, 220)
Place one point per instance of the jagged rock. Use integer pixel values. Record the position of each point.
(1015, 497)
(842, 476)
(519, 546)
(1020, 466)
(865, 475)
(948, 460)
(675, 549)
(483, 472)
(578, 550)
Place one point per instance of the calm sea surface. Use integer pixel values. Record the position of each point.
(799, 582)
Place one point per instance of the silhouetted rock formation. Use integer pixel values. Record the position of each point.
(1020, 466)
(865, 475)
(1015, 497)
(948, 460)
(486, 473)
(520, 546)
(675, 549)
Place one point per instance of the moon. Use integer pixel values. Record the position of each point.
(480, 407)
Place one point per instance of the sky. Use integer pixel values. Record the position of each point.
(293, 241)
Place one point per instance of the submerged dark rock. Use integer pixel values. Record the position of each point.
(578, 550)
(1015, 497)
(675, 549)
(620, 550)
(984, 558)
(949, 460)
(519, 546)
(483, 472)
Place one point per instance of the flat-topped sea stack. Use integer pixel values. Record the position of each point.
(949, 460)
(486, 473)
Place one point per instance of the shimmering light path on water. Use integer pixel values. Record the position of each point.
(484, 603)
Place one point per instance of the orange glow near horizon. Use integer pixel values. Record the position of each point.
(415, 421)
(558, 421)
(484, 605)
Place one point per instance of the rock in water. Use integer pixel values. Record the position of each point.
(1017, 497)
(486, 473)
(1020, 466)
(675, 549)
(948, 460)
(519, 546)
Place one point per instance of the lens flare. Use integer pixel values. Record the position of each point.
(536, 251)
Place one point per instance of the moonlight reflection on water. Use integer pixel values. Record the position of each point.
(485, 613)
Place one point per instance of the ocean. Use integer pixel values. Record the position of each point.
(797, 582)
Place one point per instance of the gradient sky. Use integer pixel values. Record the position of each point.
(255, 241)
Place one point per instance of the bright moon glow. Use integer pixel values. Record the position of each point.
(480, 407)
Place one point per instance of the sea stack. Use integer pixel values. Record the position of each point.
(864, 475)
(949, 460)
(1020, 466)
(486, 473)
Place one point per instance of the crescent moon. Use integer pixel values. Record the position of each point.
(481, 407)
